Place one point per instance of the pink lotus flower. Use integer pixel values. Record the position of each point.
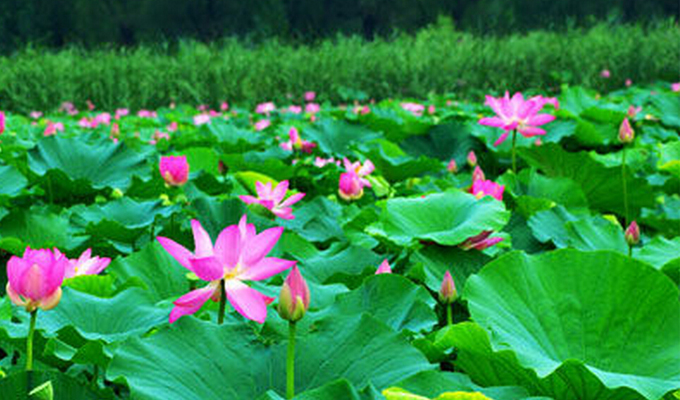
(52, 128)
(472, 159)
(384, 268)
(414, 108)
(481, 188)
(121, 112)
(272, 199)
(85, 264)
(35, 114)
(201, 119)
(361, 110)
(626, 132)
(310, 96)
(224, 106)
(239, 255)
(312, 108)
(447, 291)
(517, 113)
(68, 108)
(481, 241)
(632, 234)
(35, 279)
(605, 74)
(294, 297)
(2, 122)
(295, 142)
(294, 109)
(452, 167)
(322, 162)
(633, 111)
(157, 136)
(262, 124)
(675, 87)
(265, 108)
(174, 170)
(147, 114)
(478, 175)
(172, 127)
(628, 82)
(431, 109)
(352, 183)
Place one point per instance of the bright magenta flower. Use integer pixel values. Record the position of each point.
(272, 199)
(174, 170)
(85, 264)
(294, 297)
(384, 268)
(2, 122)
(447, 292)
(517, 113)
(481, 241)
(35, 279)
(626, 132)
(295, 142)
(52, 128)
(632, 233)
(481, 188)
(239, 255)
(352, 183)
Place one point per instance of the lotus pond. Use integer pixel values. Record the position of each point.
(508, 248)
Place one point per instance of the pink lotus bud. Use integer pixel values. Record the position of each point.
(431, 109)
(350, 186)
(35, 279)
(605, 73)
(447, 292)
(629, 82)
(222, 168)
(472, 159)
(90, 105)
(174, 170)
(633, 111)
(310, 96)
(478, 174)
(384, 268)
(294, 297)
(626, 132)
(224, 106)
(632, 234)
(2, 122)
(452, 167)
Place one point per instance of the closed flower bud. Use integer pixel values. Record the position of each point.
(384, 268)
(478, 174)
(632, 234)
(294, 297)
(350, 186)
(452, 167)
(472, 159)
(174, 170)
(626, 132)
(447, 292)
(35, 279)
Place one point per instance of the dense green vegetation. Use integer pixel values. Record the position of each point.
(436, 60)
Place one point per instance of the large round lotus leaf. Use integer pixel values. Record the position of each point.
(198, 359)
(447, 218)
(662, 254)
(599, 312)
(61, 386)
(99, 165)
(11, 181)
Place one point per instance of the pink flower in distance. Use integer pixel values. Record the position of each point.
(675, 87)
(352, 183)
(262, 124)
(605, 74)
(121, 112)
(294, 109)
(628, 82)
(452, 167)
(414, 108)
(517, 113)
(2, 122)
(295, 142)
(294, 297)
(174, 170)
(273, 199)
(201, 119)
(265, 108)
(172, 127)
(239, 255)
(147, 114)
(384, 268)
(85, 264)
(481, 241)
(322, 162)
(481, 188)
(52, 128)
(224, 106)
(633, 111)
(312, 108)
(35, 279)
(310, 96)
(35, 114)
(472, 158)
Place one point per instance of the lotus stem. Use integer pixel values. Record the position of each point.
(290, 362)
(625, 188)
(29, 341)
(449, 314)
(514, 155)
(223, 303)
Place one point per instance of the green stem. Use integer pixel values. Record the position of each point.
(290, 362)
(449, 314)
(630, 250)
(223, 303)
(625, 188)
(29, 342)
(514, 156)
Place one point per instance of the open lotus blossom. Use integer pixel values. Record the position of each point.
(481, 241)
(272, 199)
(352, 183)
(675, 87)
(147, 114)
(34, 280)
(310, 96)
(262, 124)
(174, 170)
(201, 119)
(52, 128)
(384, 268)
(239, 255)
(121, 112)
(294, 297)
(293, 109)
(85, 264)
(626, 132)
(265, 108)
(632, 233)
(414, 108)
(517, 113)
(295, 142)
(483, 187)
(312, 108)
(447, 291)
